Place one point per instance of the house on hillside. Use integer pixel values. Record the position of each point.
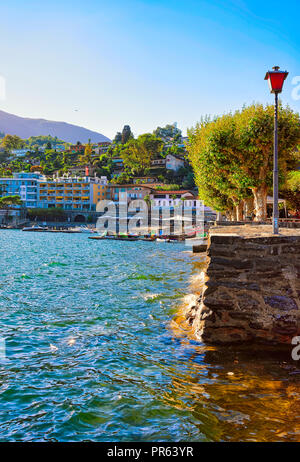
(19, 152)
(158, 163)
(101, 148)
(80, 170)
(77, 148)
(59, 147)
(118, 166)
(171, 162)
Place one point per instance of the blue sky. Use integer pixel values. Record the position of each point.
(143, 63)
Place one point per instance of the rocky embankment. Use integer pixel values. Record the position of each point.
(251, 289)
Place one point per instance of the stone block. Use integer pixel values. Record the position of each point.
(239, 285)
(291, 248)
(227, 239)
(281, 302)
(231, 263)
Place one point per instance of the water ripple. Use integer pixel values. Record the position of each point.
(91, 354)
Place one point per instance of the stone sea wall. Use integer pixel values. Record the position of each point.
(251, 287)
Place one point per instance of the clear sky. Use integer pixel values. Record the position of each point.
(143, 62)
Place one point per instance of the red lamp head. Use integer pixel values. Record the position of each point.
(275, 79)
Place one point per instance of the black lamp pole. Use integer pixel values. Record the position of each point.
(275, 170)
(276, 79)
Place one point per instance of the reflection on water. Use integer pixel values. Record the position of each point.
(92, 355)
(238, 393)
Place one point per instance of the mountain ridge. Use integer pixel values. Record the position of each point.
(25, 127)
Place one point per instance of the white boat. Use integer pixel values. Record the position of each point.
(82, 229)
(35, 228)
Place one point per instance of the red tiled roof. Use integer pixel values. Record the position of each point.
(133, 185)
(159, 191)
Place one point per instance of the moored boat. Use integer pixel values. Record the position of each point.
(82, 229)
(35, 228)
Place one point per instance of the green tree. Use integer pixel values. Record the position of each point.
(8, 202)
(211, 148)
(86, 158)
(11, 142)
(137, 154)
(123, 178)
(126, 134)
(42, 140)
(254, 128)
(118, 138)
(233, 154)
(291, 191)
(168, 187)
(169, 134)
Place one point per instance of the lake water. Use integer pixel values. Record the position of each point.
(91, 353)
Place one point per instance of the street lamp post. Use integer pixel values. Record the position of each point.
(275, 79)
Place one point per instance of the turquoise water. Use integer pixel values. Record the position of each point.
(91, 355)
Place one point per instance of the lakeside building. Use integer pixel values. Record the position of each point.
(24, 185)
(182, 207)
(81, 194)
(158, 199)
(14, 216)
(133, 192)
(72, 193)
(69, 193)
(161, 199)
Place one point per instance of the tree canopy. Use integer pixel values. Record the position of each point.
(7, 202)
(138, 153)
(169, 133)
(291, 191)
(232, 155)
(11, 142)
